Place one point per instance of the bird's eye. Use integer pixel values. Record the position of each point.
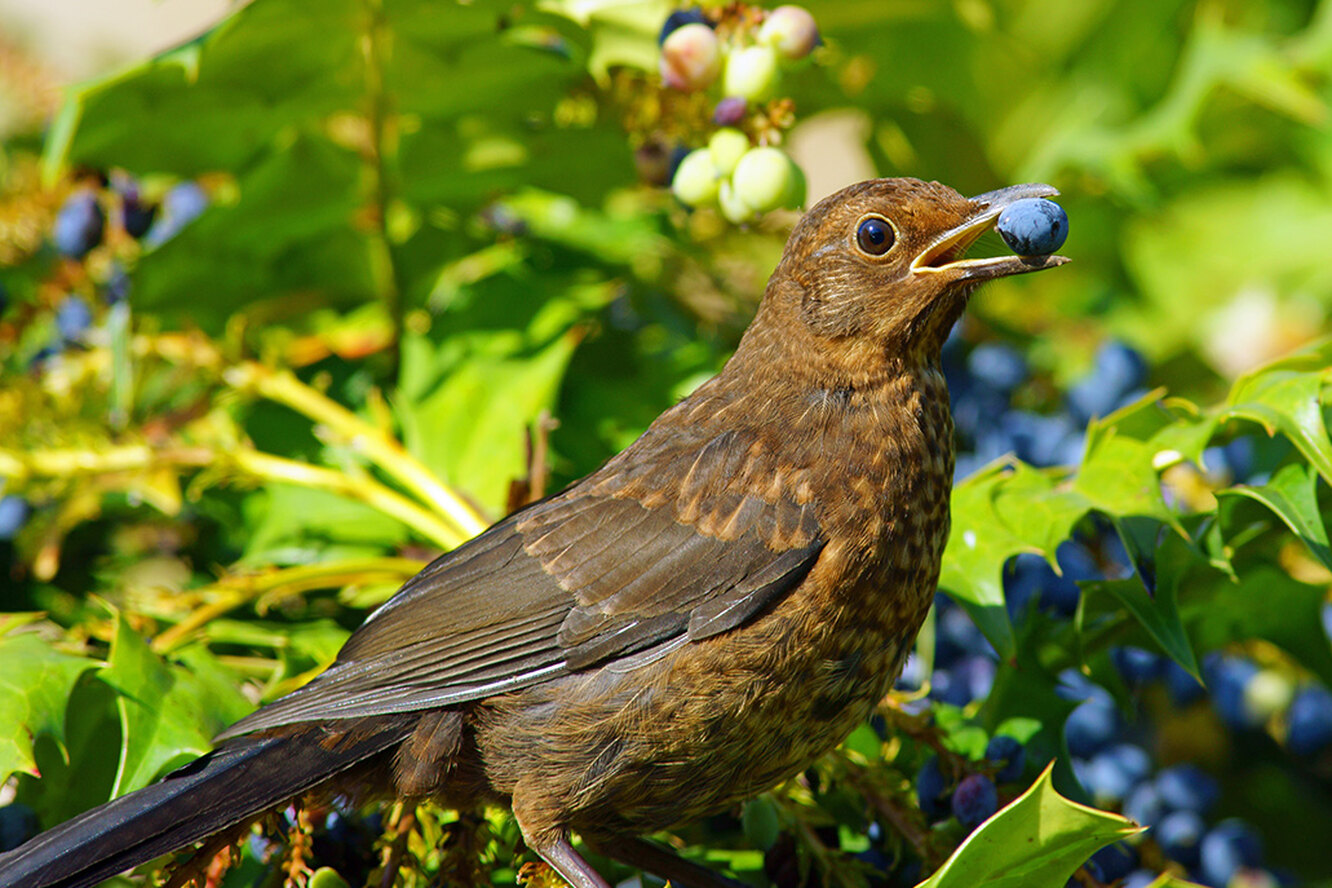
(875, 236)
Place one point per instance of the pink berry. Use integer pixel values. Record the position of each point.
(791, 30)
(691, 58)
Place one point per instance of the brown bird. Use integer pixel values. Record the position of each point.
(692, 623)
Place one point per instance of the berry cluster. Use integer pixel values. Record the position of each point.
(739, 54)
(81, 223)
(99, 230)
(982, 384)
(975, 796)
(1112, 754)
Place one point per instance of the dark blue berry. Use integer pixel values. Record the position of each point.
(1178, 834)
(1118, 372)
(1309, 721)
(975, 800)
(1007, 752)
(1184, 688)
(932, 790)
(1116, 861)
(18, 823)
(13, 515)
(945, 687)
(73, 317)
(79, 225)
(958, 634)
(976, 674)
(1073, 685)
(1091, 726)
(136, 216)
(1042, 440)
(1001, 367)
(679, 19)
(1139, 878)
(1136, 665)
(1143, 805)
(182, 204)
(1033, 226)
(1229, 846)
(1227, 677)
(1187, 788)
(1112, 773)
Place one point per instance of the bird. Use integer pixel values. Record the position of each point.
(692, 623)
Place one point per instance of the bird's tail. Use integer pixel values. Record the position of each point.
(227, 787)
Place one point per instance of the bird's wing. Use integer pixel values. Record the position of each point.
(613, 566)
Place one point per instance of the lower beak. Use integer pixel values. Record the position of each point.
(944, 255)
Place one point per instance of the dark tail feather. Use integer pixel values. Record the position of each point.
(235, 783)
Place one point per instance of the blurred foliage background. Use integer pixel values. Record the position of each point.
(409, 269)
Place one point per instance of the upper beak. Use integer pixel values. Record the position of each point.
(944, 254)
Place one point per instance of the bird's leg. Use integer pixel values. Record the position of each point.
(664, 862)
(565, 860)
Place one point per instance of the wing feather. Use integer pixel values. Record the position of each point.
(589, 577)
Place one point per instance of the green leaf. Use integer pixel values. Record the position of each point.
(167, 713)
(865, 742)
(996, 515)
(1291, 494)
(1266, 603)
(1286, 397)
(327, 877)
(1036, 841)
(1118, 474)
(760, 823)
(471, 429)
(622, 33)
(35, 685)
(1158, 614)
(290, 524)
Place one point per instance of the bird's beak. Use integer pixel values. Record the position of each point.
(944, 254)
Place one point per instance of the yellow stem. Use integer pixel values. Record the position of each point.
(235, 591)
(69, 462)
(383, 450)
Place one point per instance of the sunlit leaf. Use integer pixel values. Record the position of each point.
(35, 684)
(1036, 841)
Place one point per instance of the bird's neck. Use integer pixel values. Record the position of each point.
(784, 353)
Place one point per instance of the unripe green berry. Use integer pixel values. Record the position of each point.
(751, 73)
(696, 180)
(733, 208)
(727, 146)
(764, 179)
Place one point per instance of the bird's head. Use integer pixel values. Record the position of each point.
(882, 262)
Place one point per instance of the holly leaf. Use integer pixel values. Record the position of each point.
(1037, 840)
(1291, 495)
(167, 713)
(996, 515)
(35, 684)
(1286, 397)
